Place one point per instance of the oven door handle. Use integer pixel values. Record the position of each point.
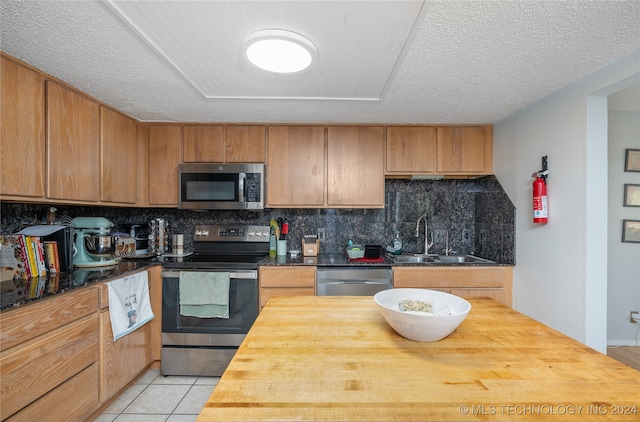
(244, 275)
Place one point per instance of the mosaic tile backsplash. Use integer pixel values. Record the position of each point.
(475, 216)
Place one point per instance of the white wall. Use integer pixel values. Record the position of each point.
(624, 258)
(560, 272)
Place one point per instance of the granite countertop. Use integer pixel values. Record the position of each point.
(327, 260)
(19, 292)
(342, 260)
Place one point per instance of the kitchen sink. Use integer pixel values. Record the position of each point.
(414, 258)
(442, 259)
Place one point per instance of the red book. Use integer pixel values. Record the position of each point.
(38, 251)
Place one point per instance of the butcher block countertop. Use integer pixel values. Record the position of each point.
(336, 359)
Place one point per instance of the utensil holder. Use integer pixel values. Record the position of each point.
(281, 248)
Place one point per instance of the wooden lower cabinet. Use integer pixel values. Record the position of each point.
(58, 360)
(45, 367)
(489, 281)
(155, 292)
(73, 400)
(123, 360)
(286, 281)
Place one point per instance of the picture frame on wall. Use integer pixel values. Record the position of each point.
(631, 195)
(631, 231)
(632, 160)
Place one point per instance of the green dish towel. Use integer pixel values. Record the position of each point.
(204, 294)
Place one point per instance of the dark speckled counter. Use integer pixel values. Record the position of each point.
(26, 291)
(327, 260)
(342, 260)
(22, 292)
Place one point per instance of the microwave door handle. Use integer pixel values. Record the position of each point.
(242, 189)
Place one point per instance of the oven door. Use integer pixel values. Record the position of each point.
(180, 330)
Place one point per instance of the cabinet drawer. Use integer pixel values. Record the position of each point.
(449, 277)
(79, 396)
(267, 293)
(32, 370)
(287, 277)
(24, 323)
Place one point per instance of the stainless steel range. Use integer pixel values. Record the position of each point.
(204, 345)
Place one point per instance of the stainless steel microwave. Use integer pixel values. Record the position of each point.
(205, 186)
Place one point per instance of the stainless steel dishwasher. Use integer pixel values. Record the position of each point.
(353, 281)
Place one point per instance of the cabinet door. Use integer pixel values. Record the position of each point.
(355, 167)
(119, 157)
(203, 144)
(296, 166)
(245, 144)
(21, 131)
(123, 360)
(73, 145)
(155, 295)
(411, 150)
(143, 165)
(465, 149)
(286, 281)
(165, 151)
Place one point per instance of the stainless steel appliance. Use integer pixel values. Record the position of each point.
(353, 281)
(94, 244)
(205, 346)
(221, 186)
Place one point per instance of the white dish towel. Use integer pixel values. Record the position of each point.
(129, 303)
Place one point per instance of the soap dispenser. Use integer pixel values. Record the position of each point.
(397, 244)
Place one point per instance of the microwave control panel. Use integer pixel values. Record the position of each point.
(253, 187)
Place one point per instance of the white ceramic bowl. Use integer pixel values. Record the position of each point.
(448, 313)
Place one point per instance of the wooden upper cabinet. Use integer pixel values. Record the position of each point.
(296, 171)
(143, 165)
(73, 145)
(465, 149)
(245, 144)
(119, 157)
(22, 131)
(411, 150)
(203, 144)
(355, 166)
(165, 154)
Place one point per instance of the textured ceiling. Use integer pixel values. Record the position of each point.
(420, 62)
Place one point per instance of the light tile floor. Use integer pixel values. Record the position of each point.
(156, 398)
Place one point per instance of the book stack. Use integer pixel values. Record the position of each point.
(34, 257)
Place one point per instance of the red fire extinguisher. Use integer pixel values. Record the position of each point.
(540, 201)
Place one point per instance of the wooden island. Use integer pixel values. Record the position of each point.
(336, 359)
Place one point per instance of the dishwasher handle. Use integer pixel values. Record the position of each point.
(372, 282)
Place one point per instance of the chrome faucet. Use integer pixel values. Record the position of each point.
(427, 244)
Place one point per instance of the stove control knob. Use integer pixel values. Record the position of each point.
(198, 232)
(205, 232)
(250, 232)
(265, 233)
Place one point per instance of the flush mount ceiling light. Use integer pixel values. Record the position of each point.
(279, 51)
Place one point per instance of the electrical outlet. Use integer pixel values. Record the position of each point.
(466, 236)
(634, 317)
(439, 236)
(321, 233)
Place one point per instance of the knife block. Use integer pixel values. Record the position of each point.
(310, 247)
